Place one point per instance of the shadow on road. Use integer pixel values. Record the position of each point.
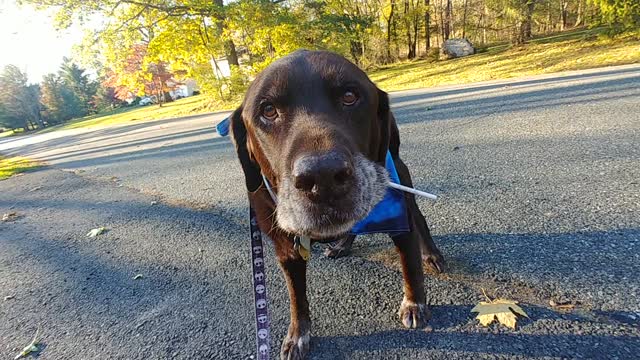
(471, 88)
(94, 147)
(478, 345)
(591, 93)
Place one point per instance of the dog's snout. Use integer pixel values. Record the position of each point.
(323, 176)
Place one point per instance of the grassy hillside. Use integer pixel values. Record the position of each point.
(187, 106)
(574, 50)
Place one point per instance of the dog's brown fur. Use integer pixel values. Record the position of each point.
(302, 86)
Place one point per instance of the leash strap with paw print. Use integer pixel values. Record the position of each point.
(259, 288)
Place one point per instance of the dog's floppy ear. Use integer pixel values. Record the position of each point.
(389, 135)
(251, 170)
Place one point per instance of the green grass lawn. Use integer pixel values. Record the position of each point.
(6, 133)
(15, 165)
(187, 106)
(571, 50)
(575, 50)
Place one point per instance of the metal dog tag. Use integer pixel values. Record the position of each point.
(303, 245)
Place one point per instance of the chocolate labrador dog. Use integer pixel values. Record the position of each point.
(318, 130)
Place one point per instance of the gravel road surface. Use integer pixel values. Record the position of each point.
(539, 185)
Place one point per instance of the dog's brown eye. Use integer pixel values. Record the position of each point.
(269, 112)
(349, 98)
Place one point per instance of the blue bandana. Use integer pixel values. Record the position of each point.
(388, 216)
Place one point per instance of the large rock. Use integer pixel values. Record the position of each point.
(455, 48)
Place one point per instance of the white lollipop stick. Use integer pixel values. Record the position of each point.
(412, 190)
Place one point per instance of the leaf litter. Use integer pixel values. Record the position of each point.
(31, 348)
(564, 306)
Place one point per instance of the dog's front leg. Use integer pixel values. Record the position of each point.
(294, 268)
(413, 312)
(431, 256)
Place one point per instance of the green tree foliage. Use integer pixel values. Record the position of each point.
(620, 15)
(77, 81)
(106, 98)
(68, 94)
(58, 100)
(149, 44)
(19, 101)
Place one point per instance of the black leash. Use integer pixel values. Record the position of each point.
(259, 288)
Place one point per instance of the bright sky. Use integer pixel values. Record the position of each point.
(29, 40)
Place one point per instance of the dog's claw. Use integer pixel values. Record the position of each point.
(433, 263)
(412, 315)
(295, 347)
(339, 248)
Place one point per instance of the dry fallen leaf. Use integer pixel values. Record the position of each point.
(562, 306)
(505, 311)
(97, 231)
(9, 216)
(29, 348)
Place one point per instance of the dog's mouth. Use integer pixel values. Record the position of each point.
(320, 220)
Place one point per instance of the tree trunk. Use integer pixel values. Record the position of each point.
(580, 15)
(519, 33)
(355, 48)
(447, 21)
(407, 22)
(441, 32)
(528, 19)
(563, 14)
(229, 46)
(232, 55)
(416, 24)
(427, 24)
(394, 36)
(390, 24)
(484, 24)
(464, 19)
(550, 25)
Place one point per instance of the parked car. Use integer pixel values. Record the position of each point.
(147, 100)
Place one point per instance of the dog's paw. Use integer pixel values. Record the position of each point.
(433, 263)
(335, 251)
(412, 315)
(295, 347)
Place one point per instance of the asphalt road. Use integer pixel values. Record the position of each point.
(539, 184)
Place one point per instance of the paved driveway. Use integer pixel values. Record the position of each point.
(539, 201)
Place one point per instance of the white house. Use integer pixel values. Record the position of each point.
(182, 89)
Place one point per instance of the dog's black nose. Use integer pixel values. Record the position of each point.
(323, 176)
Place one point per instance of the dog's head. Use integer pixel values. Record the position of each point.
(318, 129)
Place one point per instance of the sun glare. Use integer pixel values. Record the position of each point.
(30, 41)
